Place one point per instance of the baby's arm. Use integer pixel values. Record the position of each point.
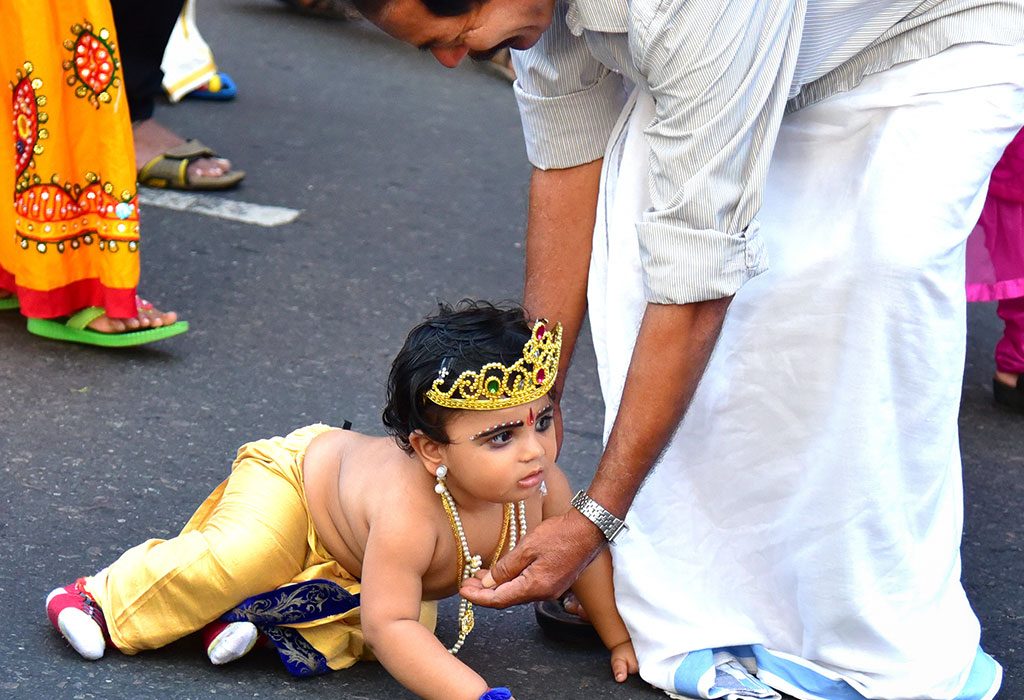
(398, 553)
(594, 587)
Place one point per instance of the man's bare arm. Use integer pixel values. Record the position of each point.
(670, 356)
(671, 353)
(559, 236)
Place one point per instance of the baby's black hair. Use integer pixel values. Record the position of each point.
(464, 337)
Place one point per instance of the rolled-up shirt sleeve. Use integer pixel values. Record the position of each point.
(719, 73)
(568, 101)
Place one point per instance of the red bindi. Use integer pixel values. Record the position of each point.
(530, 419)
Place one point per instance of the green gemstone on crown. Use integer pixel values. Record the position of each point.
(493, 386)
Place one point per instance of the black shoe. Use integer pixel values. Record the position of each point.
(1011, 397)
(559, 624)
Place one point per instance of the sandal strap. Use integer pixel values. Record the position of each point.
(168, 170)
(84, 317)
(191, 150)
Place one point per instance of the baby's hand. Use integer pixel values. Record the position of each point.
(624, 660)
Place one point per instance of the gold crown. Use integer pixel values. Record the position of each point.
(496, 386)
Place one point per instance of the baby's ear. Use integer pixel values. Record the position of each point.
(428, 450)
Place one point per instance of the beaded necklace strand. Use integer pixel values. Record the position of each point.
(468, 564)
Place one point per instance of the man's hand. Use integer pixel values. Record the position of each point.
(541, 567)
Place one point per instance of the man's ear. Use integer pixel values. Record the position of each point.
(429, 451)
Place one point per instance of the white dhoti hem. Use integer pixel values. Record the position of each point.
(187, 62)
(808, 513)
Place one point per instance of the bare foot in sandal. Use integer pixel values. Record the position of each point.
(152, 140)
(91, 326)
(148, 316)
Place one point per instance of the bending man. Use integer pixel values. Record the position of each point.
(794, 426)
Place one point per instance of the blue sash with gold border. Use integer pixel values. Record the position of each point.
(292, 604)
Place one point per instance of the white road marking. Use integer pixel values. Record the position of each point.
(259, 214)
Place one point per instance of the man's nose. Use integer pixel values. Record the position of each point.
(449, 57)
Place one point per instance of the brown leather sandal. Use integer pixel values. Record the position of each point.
(169, 170)
(561, 625)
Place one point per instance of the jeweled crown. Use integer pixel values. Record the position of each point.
(496, 386)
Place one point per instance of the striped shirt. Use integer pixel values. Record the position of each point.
(722, 74)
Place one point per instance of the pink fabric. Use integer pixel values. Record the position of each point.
(995, 254)
(995, 249)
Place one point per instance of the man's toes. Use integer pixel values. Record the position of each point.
(209, 167)
(130, 324)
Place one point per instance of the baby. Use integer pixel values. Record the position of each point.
(333, 544)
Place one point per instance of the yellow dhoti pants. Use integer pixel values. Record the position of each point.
(253, 534)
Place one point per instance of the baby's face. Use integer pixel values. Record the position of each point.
(500, 456)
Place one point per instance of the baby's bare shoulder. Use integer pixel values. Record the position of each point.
(385, 477)
(333, 438)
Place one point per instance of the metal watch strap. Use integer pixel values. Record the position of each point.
(608, 524)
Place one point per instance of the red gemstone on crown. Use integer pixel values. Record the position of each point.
(540, 375)
(540, 331)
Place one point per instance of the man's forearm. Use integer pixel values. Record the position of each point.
(559, 236)
(670, 356)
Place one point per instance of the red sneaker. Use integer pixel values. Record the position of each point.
(74, 612)
(228, 641)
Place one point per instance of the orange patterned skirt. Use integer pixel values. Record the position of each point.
(69, 220)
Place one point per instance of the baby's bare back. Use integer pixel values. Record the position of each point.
(354, 480)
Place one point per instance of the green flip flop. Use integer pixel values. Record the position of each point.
(9, 303)
(76, 330)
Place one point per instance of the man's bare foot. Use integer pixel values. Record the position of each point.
(148, 317)
(152, 139)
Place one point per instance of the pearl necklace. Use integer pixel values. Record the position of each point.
(468, 564)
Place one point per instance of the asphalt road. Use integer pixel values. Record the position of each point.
(411, 180)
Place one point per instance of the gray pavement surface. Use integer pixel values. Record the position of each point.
(412, 182)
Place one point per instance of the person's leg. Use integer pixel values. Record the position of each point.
(143, 29)
(1009, 389)
(819, 459)
(1010, 349)
(58, 263)
(1002, 265)
(248, 537)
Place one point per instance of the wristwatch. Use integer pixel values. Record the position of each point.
(608, 524)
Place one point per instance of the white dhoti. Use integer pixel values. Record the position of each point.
(187, 62)
(807, 515)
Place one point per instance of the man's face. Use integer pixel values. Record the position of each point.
(483, 30)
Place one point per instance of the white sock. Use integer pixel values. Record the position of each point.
(81, 631)
(233, 643)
